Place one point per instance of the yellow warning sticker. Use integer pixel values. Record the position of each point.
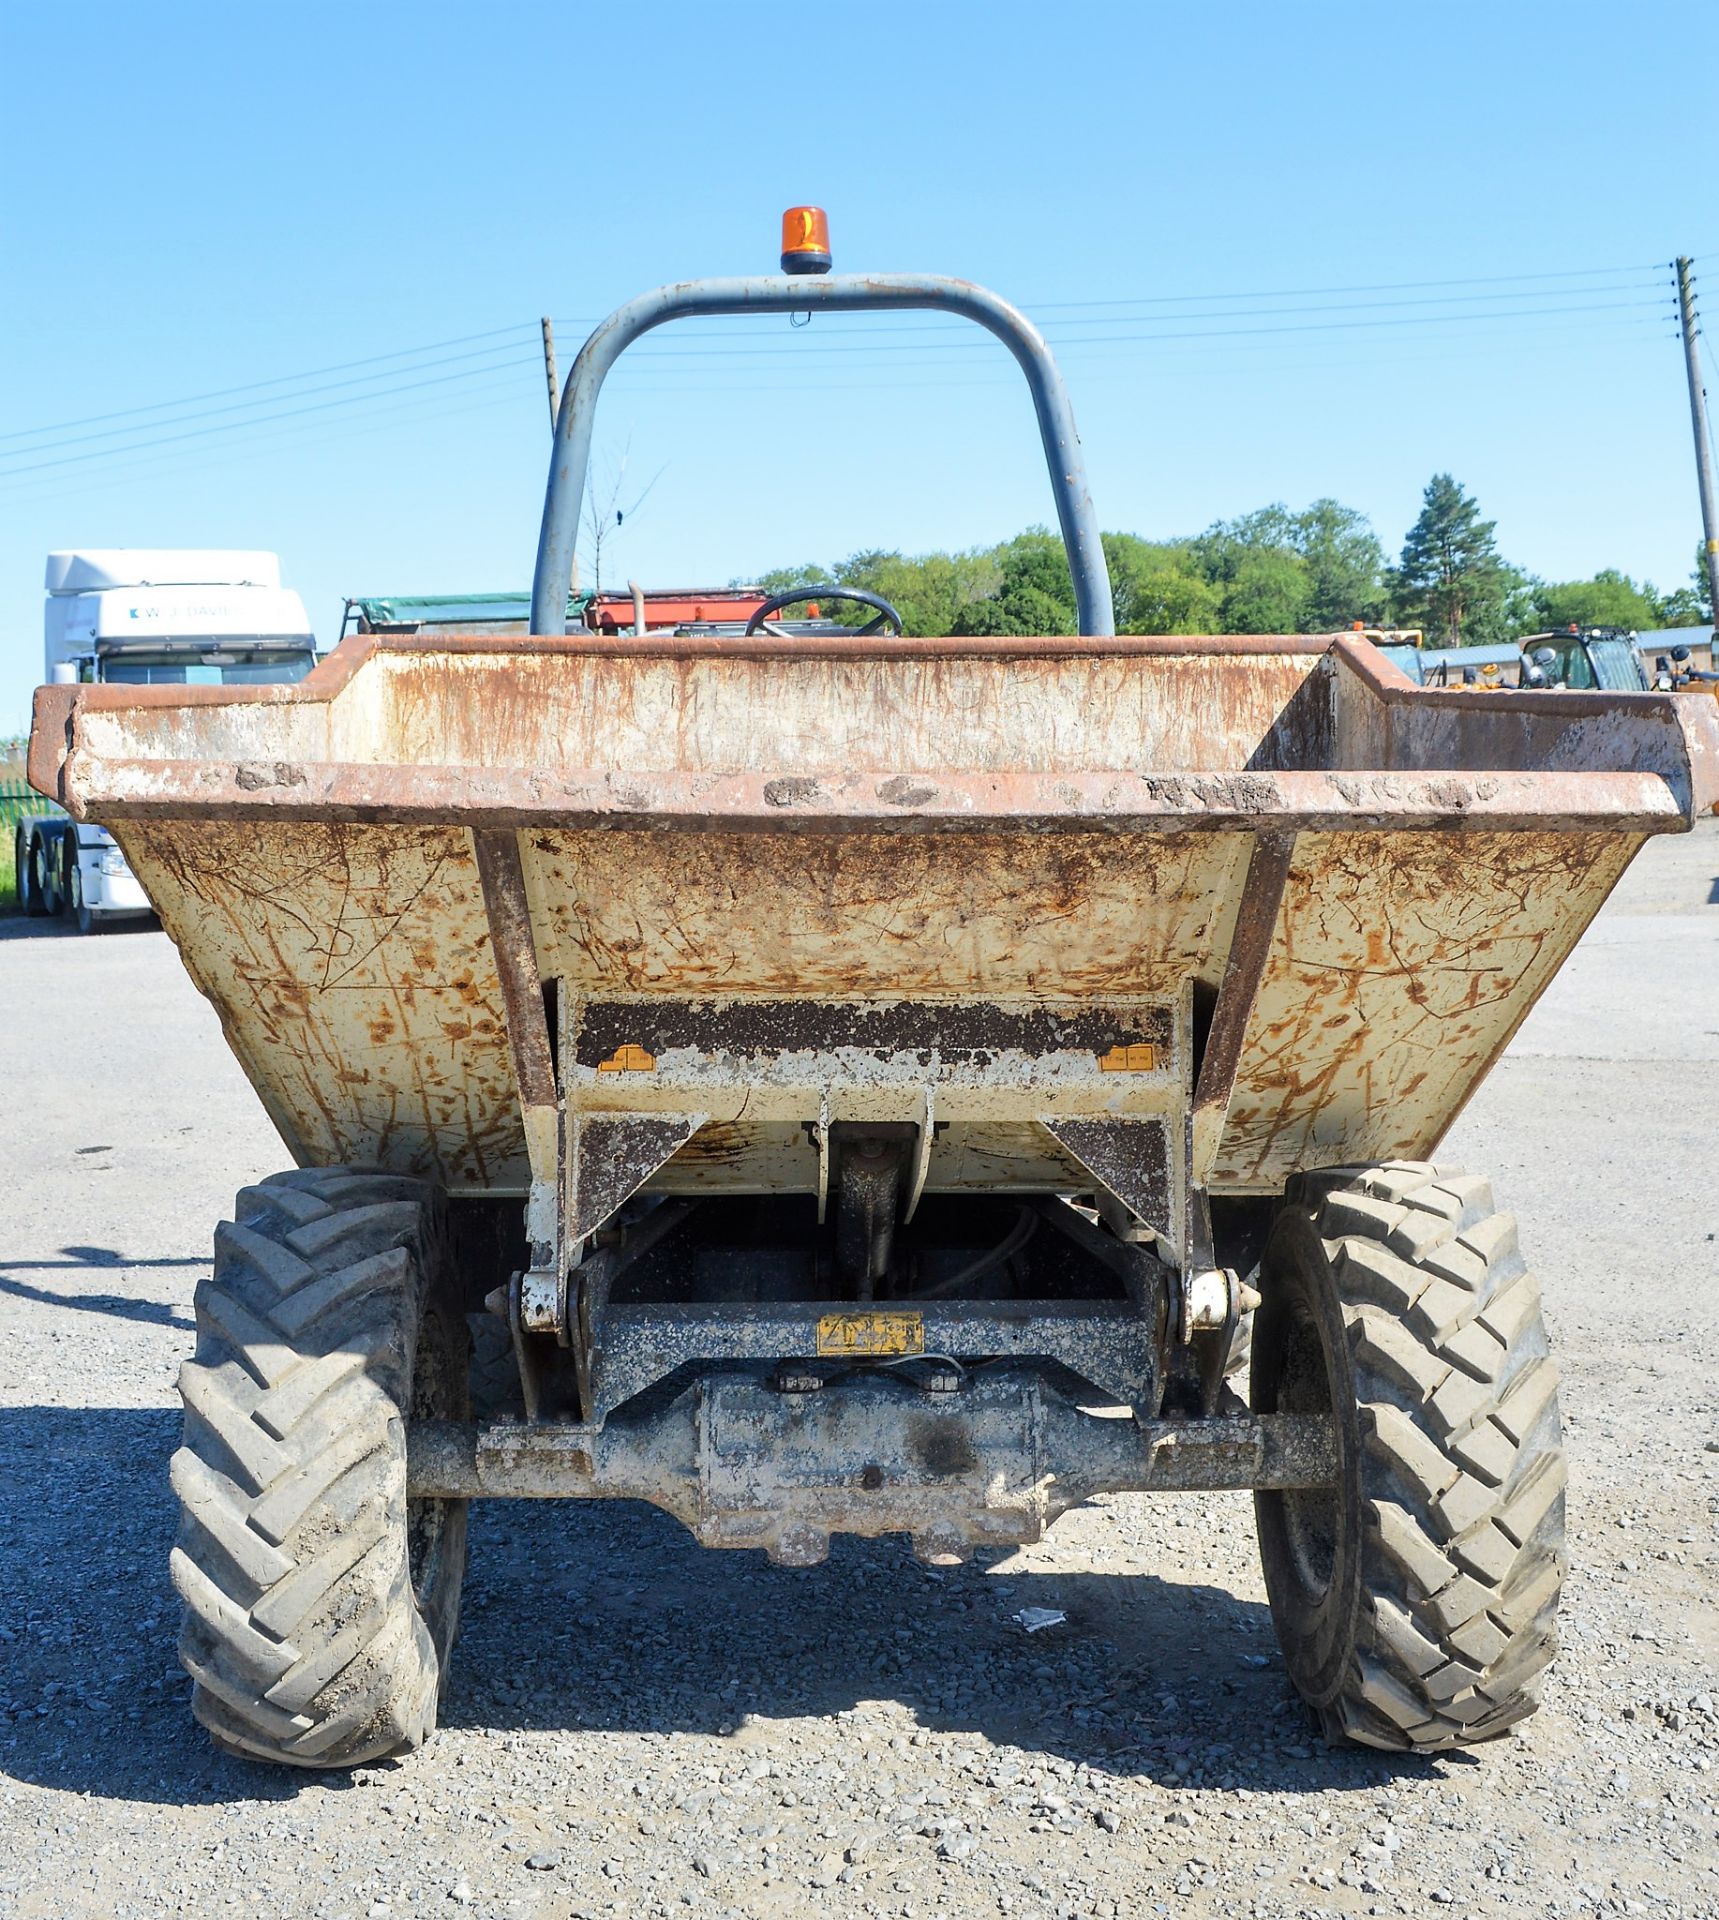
(1137, 1056)
(868, 1335)
(628, 1059)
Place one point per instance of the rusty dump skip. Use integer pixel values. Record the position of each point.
(467, 908)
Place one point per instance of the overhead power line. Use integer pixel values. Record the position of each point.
(239, 426)
(113, 441)
(251, 386)
(886, 331)
(321, 432)
(1376, 286)
(1089, 331)
(364, 418)
(303, 393)
(521, 328)
(970, 342)
(941, 351)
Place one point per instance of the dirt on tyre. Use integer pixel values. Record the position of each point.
(320, 1604)
(1415, 1601)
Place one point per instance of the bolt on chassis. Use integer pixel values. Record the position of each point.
(825, 1079)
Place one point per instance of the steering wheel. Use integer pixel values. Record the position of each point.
(762, 623)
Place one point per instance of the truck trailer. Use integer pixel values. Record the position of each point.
(142, 617)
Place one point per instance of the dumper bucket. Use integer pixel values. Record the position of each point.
(1316, 900)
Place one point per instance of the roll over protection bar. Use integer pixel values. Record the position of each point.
(839, 293)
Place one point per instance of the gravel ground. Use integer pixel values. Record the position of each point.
(635, 1726)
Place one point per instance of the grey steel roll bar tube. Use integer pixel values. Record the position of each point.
(839, 293)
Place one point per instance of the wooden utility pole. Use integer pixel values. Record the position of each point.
(549, 369)
(1703, 439)
(554, 402)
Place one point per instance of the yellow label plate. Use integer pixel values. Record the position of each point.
(868, 1335)
(1137, 1056)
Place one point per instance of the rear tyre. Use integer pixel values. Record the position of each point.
(1238, 1362)
(320, 1604)
(1416, 1601)
(25, 878)
(44, 892)
(495, 1387)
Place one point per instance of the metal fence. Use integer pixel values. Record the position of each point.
(18, 799)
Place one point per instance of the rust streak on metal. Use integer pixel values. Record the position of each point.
(1238, 995)
(503, 881)
(1042, 828)
(1399, 966)
(1622, 800)
(855, 645)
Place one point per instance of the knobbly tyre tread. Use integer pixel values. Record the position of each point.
(302, 1629)
(1460, 1461)
(1238, 1362)
(494, 1372)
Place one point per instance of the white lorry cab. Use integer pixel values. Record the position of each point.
(148, 616)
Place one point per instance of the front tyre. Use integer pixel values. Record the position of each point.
(320, 1604)
(1415, 1601)
(88, 920)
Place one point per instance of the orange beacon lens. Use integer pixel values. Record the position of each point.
(805, 240)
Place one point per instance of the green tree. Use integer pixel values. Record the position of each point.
(1690, 606)
(1158, 588)
(1169, 600)
(783, 579)
(1268, 571)
(928, 590)
(1262, 581)
(1451, 581)
(1345, 567)
(1267, 593)
(1610, 599)
(1022, 609)
(1035, 592)
(1223, 543)
(1312, 571)
(1686, 607)
(1037, 559)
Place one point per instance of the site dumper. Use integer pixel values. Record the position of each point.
(867, 1082)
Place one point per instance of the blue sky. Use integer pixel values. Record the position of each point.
(1282, 252)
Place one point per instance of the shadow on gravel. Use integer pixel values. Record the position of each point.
(100, 1256)
(609, 1618)
(612, 1618)
(155, 1312)
(94, 1260)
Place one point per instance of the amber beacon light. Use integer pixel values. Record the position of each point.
(805, 240)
